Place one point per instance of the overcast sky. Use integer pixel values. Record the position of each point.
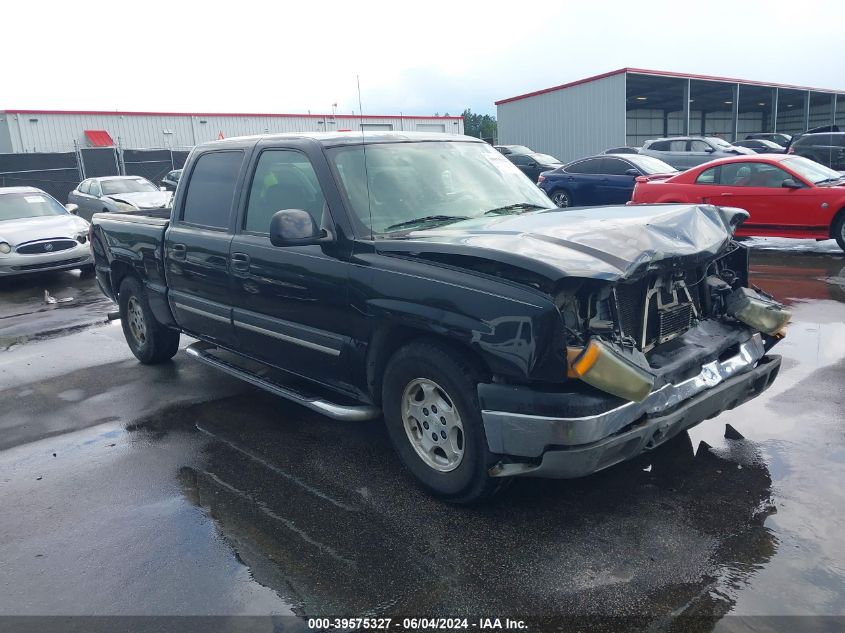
(415, 58)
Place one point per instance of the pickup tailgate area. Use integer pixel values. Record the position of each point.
(124, 243)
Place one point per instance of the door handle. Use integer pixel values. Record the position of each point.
(178, 251)
(240, 261)
(726, 195)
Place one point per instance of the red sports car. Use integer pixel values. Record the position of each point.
(786, 196)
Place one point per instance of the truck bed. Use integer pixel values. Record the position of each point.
(127, 241)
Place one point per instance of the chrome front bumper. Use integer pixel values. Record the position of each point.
(530, 436)
(15, 264)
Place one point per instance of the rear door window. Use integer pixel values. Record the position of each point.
(94, 188)
(678, 146)
(698, 146)
(615, 167)
(211, 189)
(589, 166)
(660, 146)
(708, 176)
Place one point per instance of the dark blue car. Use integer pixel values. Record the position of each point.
(603, 179)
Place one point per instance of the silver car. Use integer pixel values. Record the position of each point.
(117, 194)
(38, 234)
(683, 152)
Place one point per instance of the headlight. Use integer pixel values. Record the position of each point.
(759, 312)
(603, 368)
(123, 206)
(5, 249)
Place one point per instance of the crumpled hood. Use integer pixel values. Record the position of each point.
(143, 199)
(23, 230)
(605, 243)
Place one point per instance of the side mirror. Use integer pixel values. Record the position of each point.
(71, 208)
(709, 150)
(295, 227)
(632, 172)
(532, 165)
(790, 183)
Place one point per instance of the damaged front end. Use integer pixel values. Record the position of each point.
(649, 356)
(614, 328)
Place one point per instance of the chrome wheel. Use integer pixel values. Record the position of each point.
(561, 199)
(433, 425)
(137, 326)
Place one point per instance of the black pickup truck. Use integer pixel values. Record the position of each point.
(425, 279)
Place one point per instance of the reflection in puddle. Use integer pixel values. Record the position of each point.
(672, 541)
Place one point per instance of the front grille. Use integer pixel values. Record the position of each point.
(45, 246)
(667, 315)
(64, 262)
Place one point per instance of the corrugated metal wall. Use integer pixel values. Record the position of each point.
(570, 123)
(53, 132)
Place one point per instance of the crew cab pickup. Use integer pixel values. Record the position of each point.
(424, 279)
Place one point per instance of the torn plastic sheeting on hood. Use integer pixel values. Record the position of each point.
(607, 243)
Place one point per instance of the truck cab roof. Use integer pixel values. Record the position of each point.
(334, 139)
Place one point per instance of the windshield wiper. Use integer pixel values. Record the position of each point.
(426, 220)
(525, 206)
(821, 182)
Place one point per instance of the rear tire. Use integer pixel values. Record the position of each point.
(151, 342)
(839, 231)
(434, 421)
(562, 198)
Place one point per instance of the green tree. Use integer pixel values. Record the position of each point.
(480, 125)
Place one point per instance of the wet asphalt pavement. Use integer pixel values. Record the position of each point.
(175, 490)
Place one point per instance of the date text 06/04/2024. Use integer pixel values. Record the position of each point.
(415, 624)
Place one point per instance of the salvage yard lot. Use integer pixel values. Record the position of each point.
(177, 490)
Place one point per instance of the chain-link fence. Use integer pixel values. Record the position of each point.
(59, 173)
(56, 173)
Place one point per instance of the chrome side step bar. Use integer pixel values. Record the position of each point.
(350, 413)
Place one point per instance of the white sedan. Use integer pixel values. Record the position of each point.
(38, 234)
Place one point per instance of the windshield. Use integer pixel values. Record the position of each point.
(545, 159)
(441, 181)
(518, 149)
(650, 165)
(811, 170)
(14, 206)
(127, 185)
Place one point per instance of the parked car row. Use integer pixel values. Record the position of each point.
(788, 192)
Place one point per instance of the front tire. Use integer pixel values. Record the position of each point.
(434, 421)
(149, 340)
(839, 231)
(562, 199)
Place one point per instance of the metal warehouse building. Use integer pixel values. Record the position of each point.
(62, 131)
(632, 105)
